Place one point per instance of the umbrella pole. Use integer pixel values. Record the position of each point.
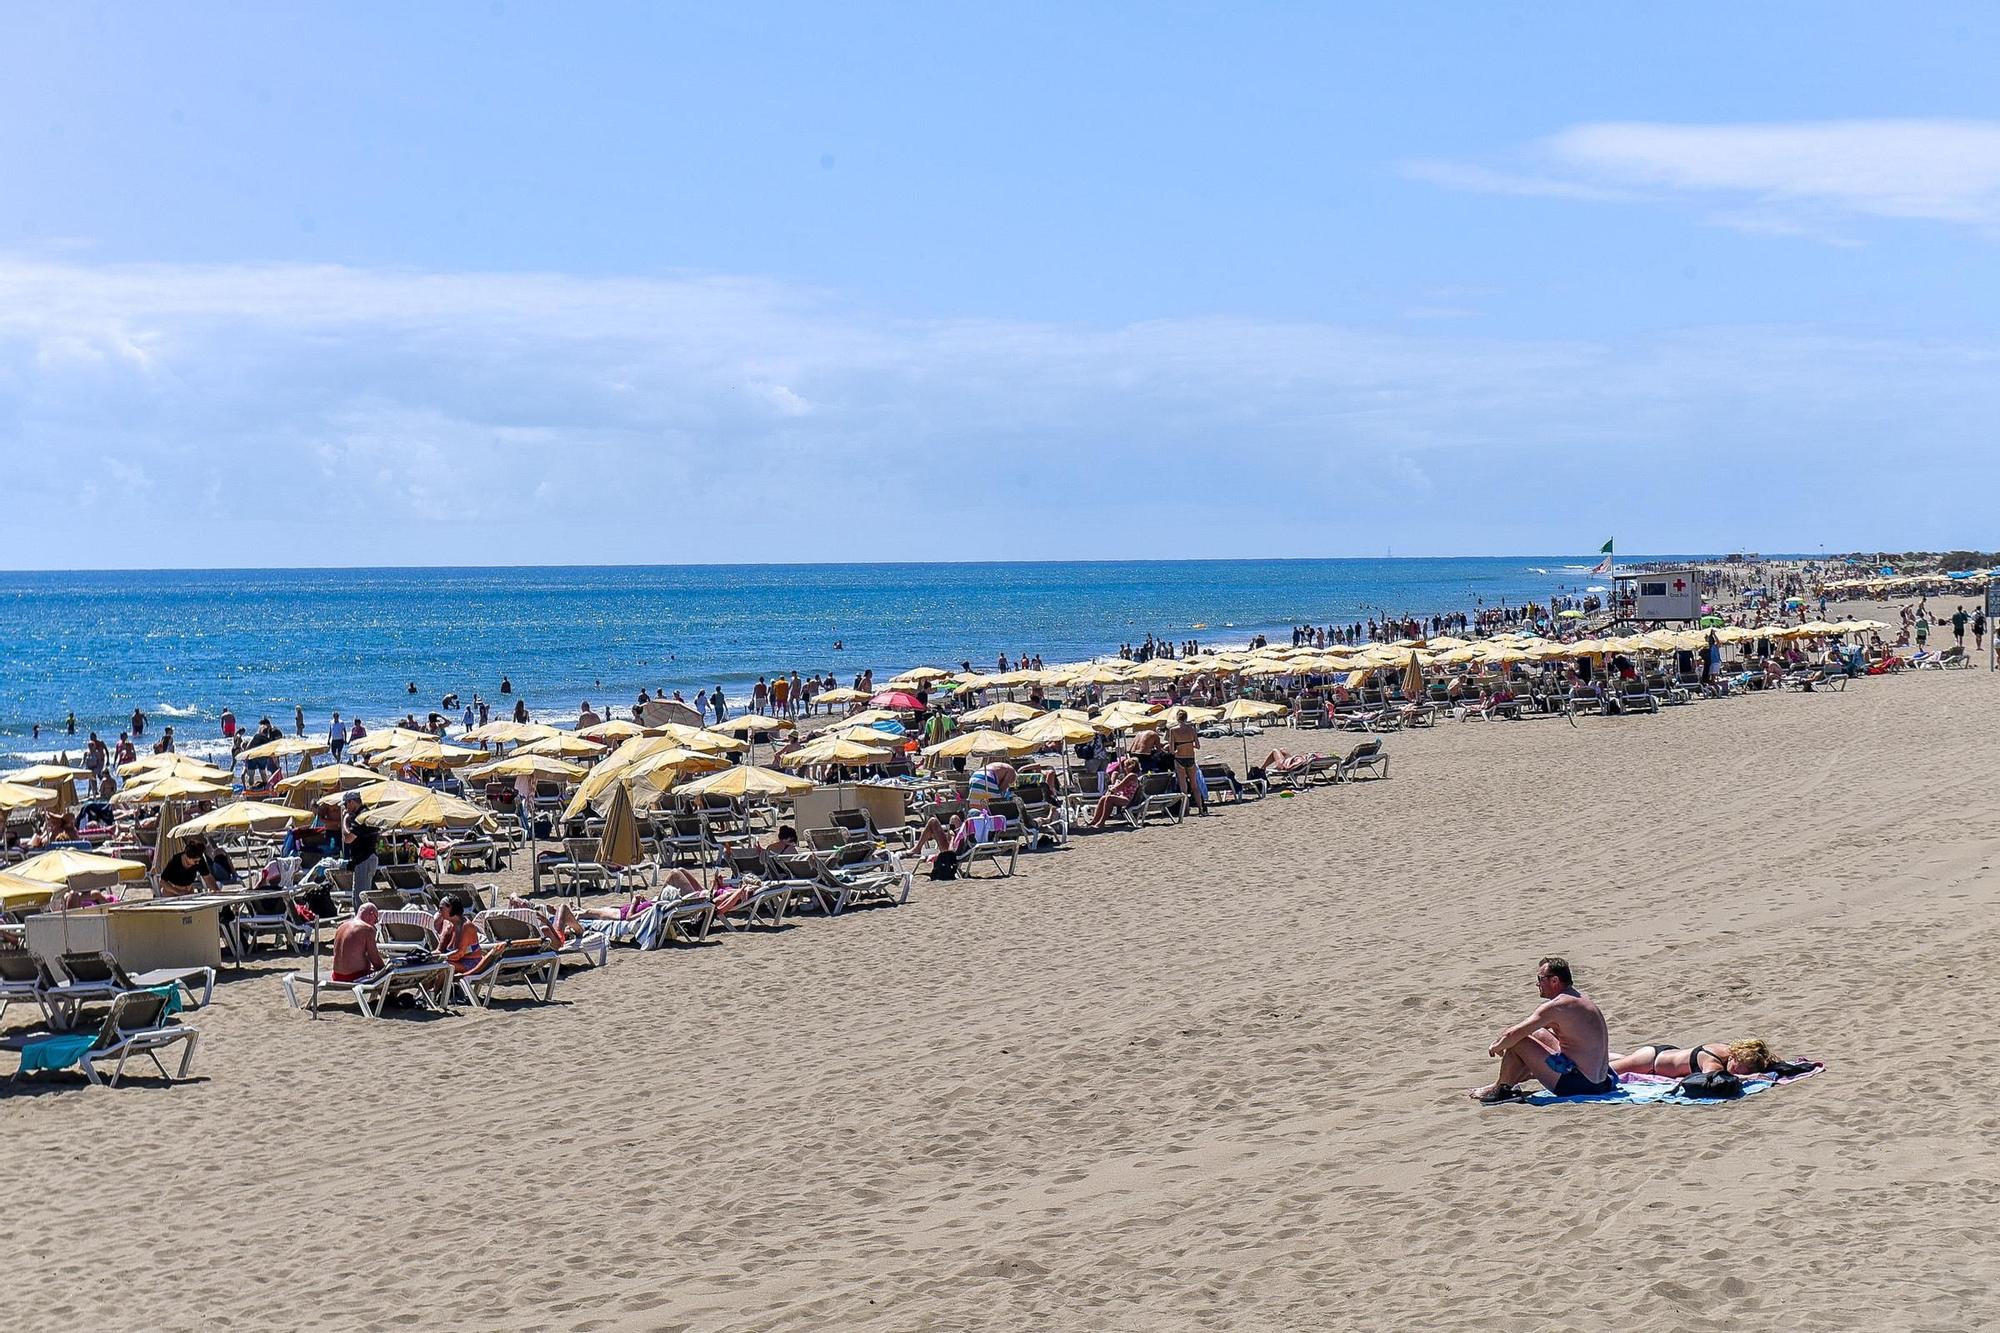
(315, 999)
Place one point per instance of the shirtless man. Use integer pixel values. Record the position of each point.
(1183, 740)
(355, 952)
(1564, 1044)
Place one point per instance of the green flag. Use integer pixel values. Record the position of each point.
(1605, 549)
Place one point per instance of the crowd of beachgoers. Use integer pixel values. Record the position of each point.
(701, 812)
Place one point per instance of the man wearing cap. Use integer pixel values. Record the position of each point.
(359, 842)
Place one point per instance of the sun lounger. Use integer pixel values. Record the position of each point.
(137, 1025)
(95, 977)
(856, 879)
(524, 925)
(1159, 793)
(1221, 777)
(685, 920)
(429, 979)
(527, 965)
(580, 867)
(24, 978)
(1369, 756)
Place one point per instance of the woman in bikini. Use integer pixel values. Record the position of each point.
(1748, 1056)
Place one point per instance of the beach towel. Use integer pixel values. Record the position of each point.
(1658, 1090)
(57, 1052)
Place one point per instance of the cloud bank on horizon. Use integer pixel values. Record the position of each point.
(261, 414)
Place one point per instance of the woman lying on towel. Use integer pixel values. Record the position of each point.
(1748, 1056)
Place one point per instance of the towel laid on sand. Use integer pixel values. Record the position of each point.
(1656, 1090)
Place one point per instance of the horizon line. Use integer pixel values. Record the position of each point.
(1586, 556)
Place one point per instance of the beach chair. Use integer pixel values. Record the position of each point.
(580, 867)
(854, 878)
(400, 932)
(1310, 715)
(428, 979)
(1366, 756)
(1001, 843)
(529, 965)
(274, 916)
(684, 842)
(99, 976)
(136, 1025)
(1322, 770)
(684, 920)
(1221, 777)
(1583, 699)
(522, 925)
(24, 978)
(1159, 793)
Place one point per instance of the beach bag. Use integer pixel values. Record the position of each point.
(946, 865)
(1714, 1085)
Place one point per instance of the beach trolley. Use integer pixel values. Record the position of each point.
(883, 803)
(142, 936)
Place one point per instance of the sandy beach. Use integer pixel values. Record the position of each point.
(1207, 1076)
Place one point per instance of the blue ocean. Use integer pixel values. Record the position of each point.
(184, 645)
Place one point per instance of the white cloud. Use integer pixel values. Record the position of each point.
(1793, 179)
(399, 417)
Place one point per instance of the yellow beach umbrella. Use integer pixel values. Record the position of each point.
(665, 767)
(1055, 729)
(48, 775)
(432, 810)
(79, 870)
(843, 695)
(746, 780)
(749, 722)
(284, 747)
(839, 749)
(18, 893)
(922, 675)
(429, 753)
(543, 767)
(170, 788)
(1196, 713)
(388, 738)
(22, 796)
(387, 792)
(243, 817)
(1005, 712)
(691, 738)
(978, 744)
(506, 731)
(612, 731)
(176, 765)
(1251, 710)
(330, 777)
(563, 745)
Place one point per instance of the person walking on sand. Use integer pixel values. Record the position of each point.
(1565, 1044)
(1958, 622)
(1979, 630)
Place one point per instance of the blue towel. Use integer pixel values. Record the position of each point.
(1647, 1090)
(57, 1052)
(173, 993)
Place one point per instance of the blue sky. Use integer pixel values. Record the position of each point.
(861, 282)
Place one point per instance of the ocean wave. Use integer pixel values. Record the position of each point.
(175, 710)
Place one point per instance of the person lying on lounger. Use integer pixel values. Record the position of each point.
(1564, 1045)
(1281, 761)
(1748, 1056)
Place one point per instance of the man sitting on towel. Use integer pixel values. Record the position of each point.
(1564, 1044)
